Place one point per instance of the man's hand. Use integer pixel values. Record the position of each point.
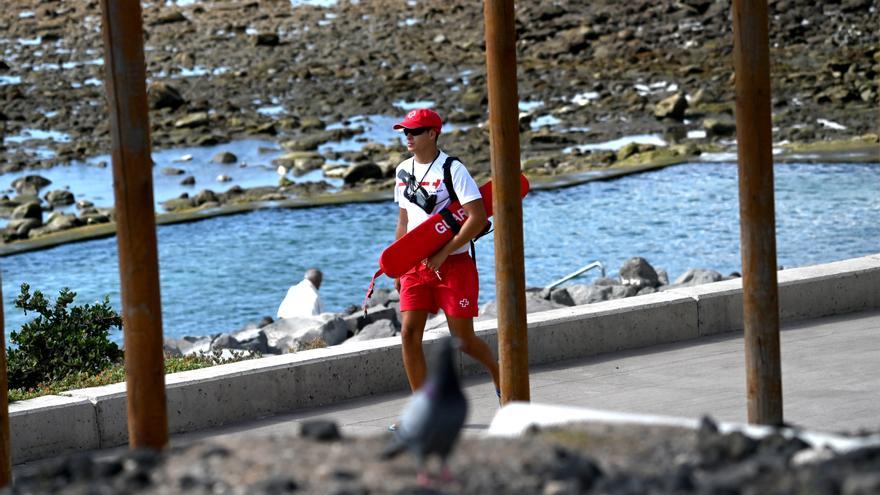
(436, 261)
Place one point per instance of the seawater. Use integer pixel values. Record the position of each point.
(220, 273)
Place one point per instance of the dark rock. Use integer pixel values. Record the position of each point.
(357, 321)
(224, 157)
(30, 184)
(266, 39)
(28, 210)
(177, 204)
(168, 18)
(377, 330)
(163, 95)
(362, 171)
(561, 296)
(20, 228)
(320, 429)
(672, 107)
(171, 171)
(60, 197)
(205, 196)
(719, 128)
(189, 180)
(639, 273)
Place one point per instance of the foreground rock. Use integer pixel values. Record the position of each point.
(588, 458)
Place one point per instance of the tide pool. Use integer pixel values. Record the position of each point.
(220, 273)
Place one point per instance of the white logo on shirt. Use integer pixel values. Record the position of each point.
(464, 303)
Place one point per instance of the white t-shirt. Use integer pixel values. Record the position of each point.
(430, 176)
(301, 300)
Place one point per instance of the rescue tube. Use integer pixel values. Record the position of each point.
(429, 236)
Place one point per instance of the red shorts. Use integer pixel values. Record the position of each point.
(456, 291)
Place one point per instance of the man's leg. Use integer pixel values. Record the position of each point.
(411, 331)
(463, 329)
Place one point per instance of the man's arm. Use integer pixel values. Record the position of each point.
(476, 220)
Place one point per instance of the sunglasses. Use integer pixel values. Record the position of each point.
(415, 132)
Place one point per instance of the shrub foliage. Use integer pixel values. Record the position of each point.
(61, 340)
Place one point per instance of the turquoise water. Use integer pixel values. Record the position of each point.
(220, 273)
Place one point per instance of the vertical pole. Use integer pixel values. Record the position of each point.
(135, 222)
(757, 217)
(506, 199)
(5, 449)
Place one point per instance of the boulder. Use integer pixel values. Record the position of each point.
(672, 107)
(205, 196)
(225, 158)
(60, 197)
(639, 273)
(382, 296)
(291, 334)
(266, 39)
(357, 321)
(300, 161)
(254, 340)
(30, 184)
(94, 217)
(177, 204)
(171, 171)
(32, 211)
(21, 227)
(588, 294)
(162, 95)
(697, 276)
(189, 346)
(376, 330)
(56, 223)
(189, 180)
(719, 128)
(362, 171)
(534, 303)
(561, 296)
(189, 121)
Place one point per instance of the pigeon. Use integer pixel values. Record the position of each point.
(432, 419)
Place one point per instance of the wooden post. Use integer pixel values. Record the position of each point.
(757, 215)
(506, 199)
(5, 440)
(135, 222)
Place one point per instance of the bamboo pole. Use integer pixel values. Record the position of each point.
(135, 223)
(506, 199)
(5, 439)
(757, 216)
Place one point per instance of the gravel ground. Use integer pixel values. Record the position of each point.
(583, 458)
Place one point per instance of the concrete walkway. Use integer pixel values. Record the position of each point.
(830, 372)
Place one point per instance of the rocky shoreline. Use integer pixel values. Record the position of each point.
(270, 336)
(586, 458)
(300, 75)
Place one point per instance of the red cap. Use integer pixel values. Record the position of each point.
(420, 117)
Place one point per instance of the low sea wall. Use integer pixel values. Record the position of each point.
(96, 417)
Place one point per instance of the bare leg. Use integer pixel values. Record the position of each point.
(463, 329)
(411, 332)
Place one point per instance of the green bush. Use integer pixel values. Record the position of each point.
(61, 341)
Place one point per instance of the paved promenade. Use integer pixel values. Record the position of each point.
(830, 373)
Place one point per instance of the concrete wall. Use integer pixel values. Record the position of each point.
(96, 417)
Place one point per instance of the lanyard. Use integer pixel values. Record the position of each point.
(413, 168)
